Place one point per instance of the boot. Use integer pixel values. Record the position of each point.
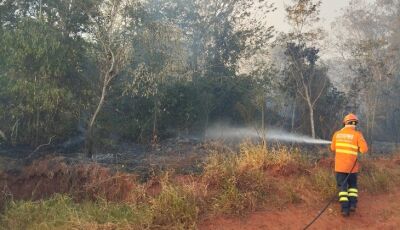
(345, 212)
(353, 207)
(345, 206)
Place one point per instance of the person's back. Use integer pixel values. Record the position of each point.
(347, 143)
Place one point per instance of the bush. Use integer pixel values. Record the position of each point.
(230, 200)
(240, 180)
(324, 183)
(283, 161)
(375, 179)
(174, 208)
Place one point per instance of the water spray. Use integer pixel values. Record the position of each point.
(219, 132)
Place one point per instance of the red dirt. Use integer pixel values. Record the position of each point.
(374, 212)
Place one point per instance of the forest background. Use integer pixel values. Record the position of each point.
(102, 72)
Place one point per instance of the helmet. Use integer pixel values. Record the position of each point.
(350, 119)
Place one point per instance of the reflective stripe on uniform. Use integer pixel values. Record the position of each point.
(354, 190)
(347, 145)
(343, 199)
(347, 151)
(343, 194)
(353, 195)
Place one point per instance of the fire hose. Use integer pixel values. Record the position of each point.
(331, 200)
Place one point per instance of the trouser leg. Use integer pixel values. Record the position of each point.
(343, 194)
(352, 191)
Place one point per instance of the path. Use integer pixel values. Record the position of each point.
(374, 212)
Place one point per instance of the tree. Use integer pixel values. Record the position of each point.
(161, 61)
(302, 55)
(113, 26)
(40, 69)
(217, 35)
(366, 35)
(226, 33)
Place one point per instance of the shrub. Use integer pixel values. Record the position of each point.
(230, 200)
(375, 179)
(283, 161)
(240, 180)
(174, 208)
(323, 182)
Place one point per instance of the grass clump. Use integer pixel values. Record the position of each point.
(230, 200)
(376, 179)
(324, 183)
(239, 180)
(283, 161)
(61, 212)
(248, 180)
(174, 208)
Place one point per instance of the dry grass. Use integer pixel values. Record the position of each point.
(323, 182)
(247, 181)
(231, 184)
(380, 175)
(60, 212)
(175, 207)
(44, 178)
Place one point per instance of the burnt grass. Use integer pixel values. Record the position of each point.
(175, 184)
(178, 154)
(29, 174)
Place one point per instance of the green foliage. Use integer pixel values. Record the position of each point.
(336, 101)
(60, 212)
(183, 71)
(230, 200)
(38, 85)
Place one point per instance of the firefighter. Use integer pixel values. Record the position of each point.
(347, 143)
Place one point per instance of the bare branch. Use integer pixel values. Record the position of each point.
(39, 147)
(320, 93)
(2, 135)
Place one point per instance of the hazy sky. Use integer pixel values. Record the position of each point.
(330, 9)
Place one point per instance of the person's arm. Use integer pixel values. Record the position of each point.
(362, 144)
(333, 144)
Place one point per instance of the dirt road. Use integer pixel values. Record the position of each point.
(380, 211)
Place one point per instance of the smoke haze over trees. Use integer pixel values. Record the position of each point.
(145, 70)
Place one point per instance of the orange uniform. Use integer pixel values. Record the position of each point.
(346, 143)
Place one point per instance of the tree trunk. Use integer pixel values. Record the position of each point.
(264, 138)
(154, 135)
(372, 104)
(207, 113)
(293, 115)
(36, 116)
(2, 135)
(311, 110)
(37, 126)
(89, 132)
(371, 144)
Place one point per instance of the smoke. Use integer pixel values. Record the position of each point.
(219, 132)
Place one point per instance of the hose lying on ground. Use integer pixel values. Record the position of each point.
(330, 201)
